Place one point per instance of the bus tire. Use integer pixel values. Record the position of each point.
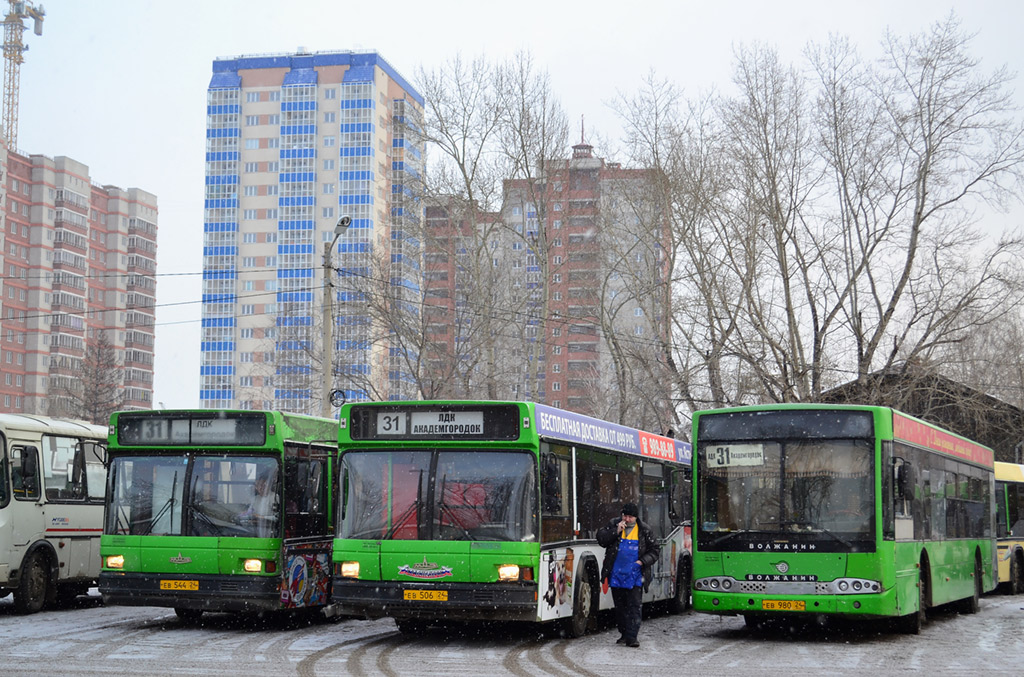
(33, 584)
(680, 601)
(188, 616)
(411, 626)
(912, 623)
(970, 605)
(582, 605)
(67, 593)
(1016, 583)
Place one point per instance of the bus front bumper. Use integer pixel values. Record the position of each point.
(450, 601)
(201, 592)
(730, 604)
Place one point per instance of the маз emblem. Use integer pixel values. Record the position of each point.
(425, 570)
(181, 560)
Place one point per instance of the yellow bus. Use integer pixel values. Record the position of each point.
(1010, 525)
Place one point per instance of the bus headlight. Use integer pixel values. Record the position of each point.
(253, 566)
(350, 569)
(508, 572)
(115, 561)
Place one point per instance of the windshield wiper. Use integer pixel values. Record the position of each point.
(813, 528)
(837, 537)
(166, 506)
(725, 537)
(446, 509)
(402, 519)
(121, 527)
(413, 508)
(204, 518)
(795, 523)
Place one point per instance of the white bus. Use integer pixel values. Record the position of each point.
(52, 481)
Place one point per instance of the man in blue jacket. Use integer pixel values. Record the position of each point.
(630, 550)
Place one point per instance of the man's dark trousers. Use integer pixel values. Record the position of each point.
(628, 605)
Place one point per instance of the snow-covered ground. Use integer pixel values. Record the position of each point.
(96, 639)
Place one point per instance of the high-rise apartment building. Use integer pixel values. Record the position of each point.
(78, 267)
(562, 298)
(293, 143)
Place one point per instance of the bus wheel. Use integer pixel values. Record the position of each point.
(912, 623)
(680, 601)
(67, 593)
(411, 626)
(582, 605)
(1016, 583)
(970, 605)
(188, 616)
(32, 587)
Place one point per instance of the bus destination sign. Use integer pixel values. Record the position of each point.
(186, 429)
(430, 423)
(434, 421)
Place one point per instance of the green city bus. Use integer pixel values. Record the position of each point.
(1010, 525)
(853, 511)
(469, 511)
(218, 511)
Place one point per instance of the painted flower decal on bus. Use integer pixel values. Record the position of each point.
(425, 570)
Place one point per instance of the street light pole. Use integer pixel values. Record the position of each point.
(326, 361)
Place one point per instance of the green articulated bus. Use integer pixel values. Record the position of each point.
(218, 511)
(476, 511)
(853, 511)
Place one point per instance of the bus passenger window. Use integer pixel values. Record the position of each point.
(552, 486)
(4, 497)
(1015, 503)
(656, 499)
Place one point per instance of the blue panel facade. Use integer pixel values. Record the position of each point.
(316, 129)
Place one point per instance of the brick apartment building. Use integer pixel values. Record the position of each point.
(78, 259)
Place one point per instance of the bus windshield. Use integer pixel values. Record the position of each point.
(439, 495)
(194, 495)
(820, 489)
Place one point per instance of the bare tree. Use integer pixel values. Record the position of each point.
(463, 124)
(990, 359)
(635, 300)
(535, 131)
(908, 150)
(822, 223)
(491, 128)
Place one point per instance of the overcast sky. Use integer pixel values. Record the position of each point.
(120, 85)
